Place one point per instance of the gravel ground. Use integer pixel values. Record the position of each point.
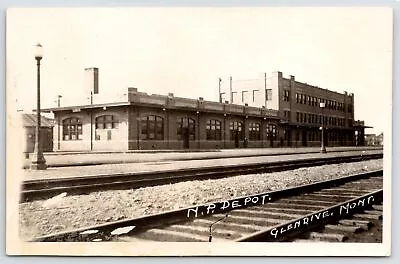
(39, 218)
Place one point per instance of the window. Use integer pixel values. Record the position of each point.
(286, 115)
(186, 126)
(271, 132)
(152, 127)
(244, 97)
(106, 122)
(286, 95)
(234, 96)
(213, 129)
(297, 117)
(254, 131)
(297, 98)
(255, 94)
(236, 129)
(268, 94)
(72, 129)
(103, 126)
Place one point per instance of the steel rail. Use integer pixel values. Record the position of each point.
(187, 215)
(45, 188)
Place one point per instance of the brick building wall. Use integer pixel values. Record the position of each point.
(298, 106)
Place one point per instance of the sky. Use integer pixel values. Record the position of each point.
(185, 50)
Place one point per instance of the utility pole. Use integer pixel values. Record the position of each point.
(219, 90)
(230, 89)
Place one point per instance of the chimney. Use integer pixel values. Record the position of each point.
(92, 80)
(132, 90)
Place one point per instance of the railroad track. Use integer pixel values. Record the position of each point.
(323, 211)
(45, 188)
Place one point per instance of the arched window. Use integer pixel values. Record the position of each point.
(254, 131)
(213, 129)
(152, 127)
(72, 129)
(106, 122)
(104, 125)
(185, 126)
(271, 132)
(236, 128)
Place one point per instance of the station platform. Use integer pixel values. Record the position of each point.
(66, 159)
(160, 163)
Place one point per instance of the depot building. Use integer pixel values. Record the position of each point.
(143, 121)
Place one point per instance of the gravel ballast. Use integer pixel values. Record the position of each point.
(70, 212)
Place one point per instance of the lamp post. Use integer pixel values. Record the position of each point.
(356, 136)
(38, 161)
(323, 149)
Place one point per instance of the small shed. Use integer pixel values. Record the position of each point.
(29, 126)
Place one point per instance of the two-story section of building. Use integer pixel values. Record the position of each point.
(299, 107)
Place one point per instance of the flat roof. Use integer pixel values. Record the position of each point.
(90, 106)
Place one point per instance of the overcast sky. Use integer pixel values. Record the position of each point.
(186, 50)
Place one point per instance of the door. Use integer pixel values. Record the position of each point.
(236, 139)
(185, 138)
(304, 138)
(237, 134)
(186, 131)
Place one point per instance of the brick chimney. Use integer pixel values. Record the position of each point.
(92, 80)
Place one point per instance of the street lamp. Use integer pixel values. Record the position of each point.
(323, 149)
(38, 161)
(356, 134)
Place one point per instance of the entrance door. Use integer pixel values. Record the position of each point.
(186, 130)
(237, 134)
(304, 138)
(236, 139)
(185, 137)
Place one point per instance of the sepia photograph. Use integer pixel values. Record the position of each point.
(246, 131)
